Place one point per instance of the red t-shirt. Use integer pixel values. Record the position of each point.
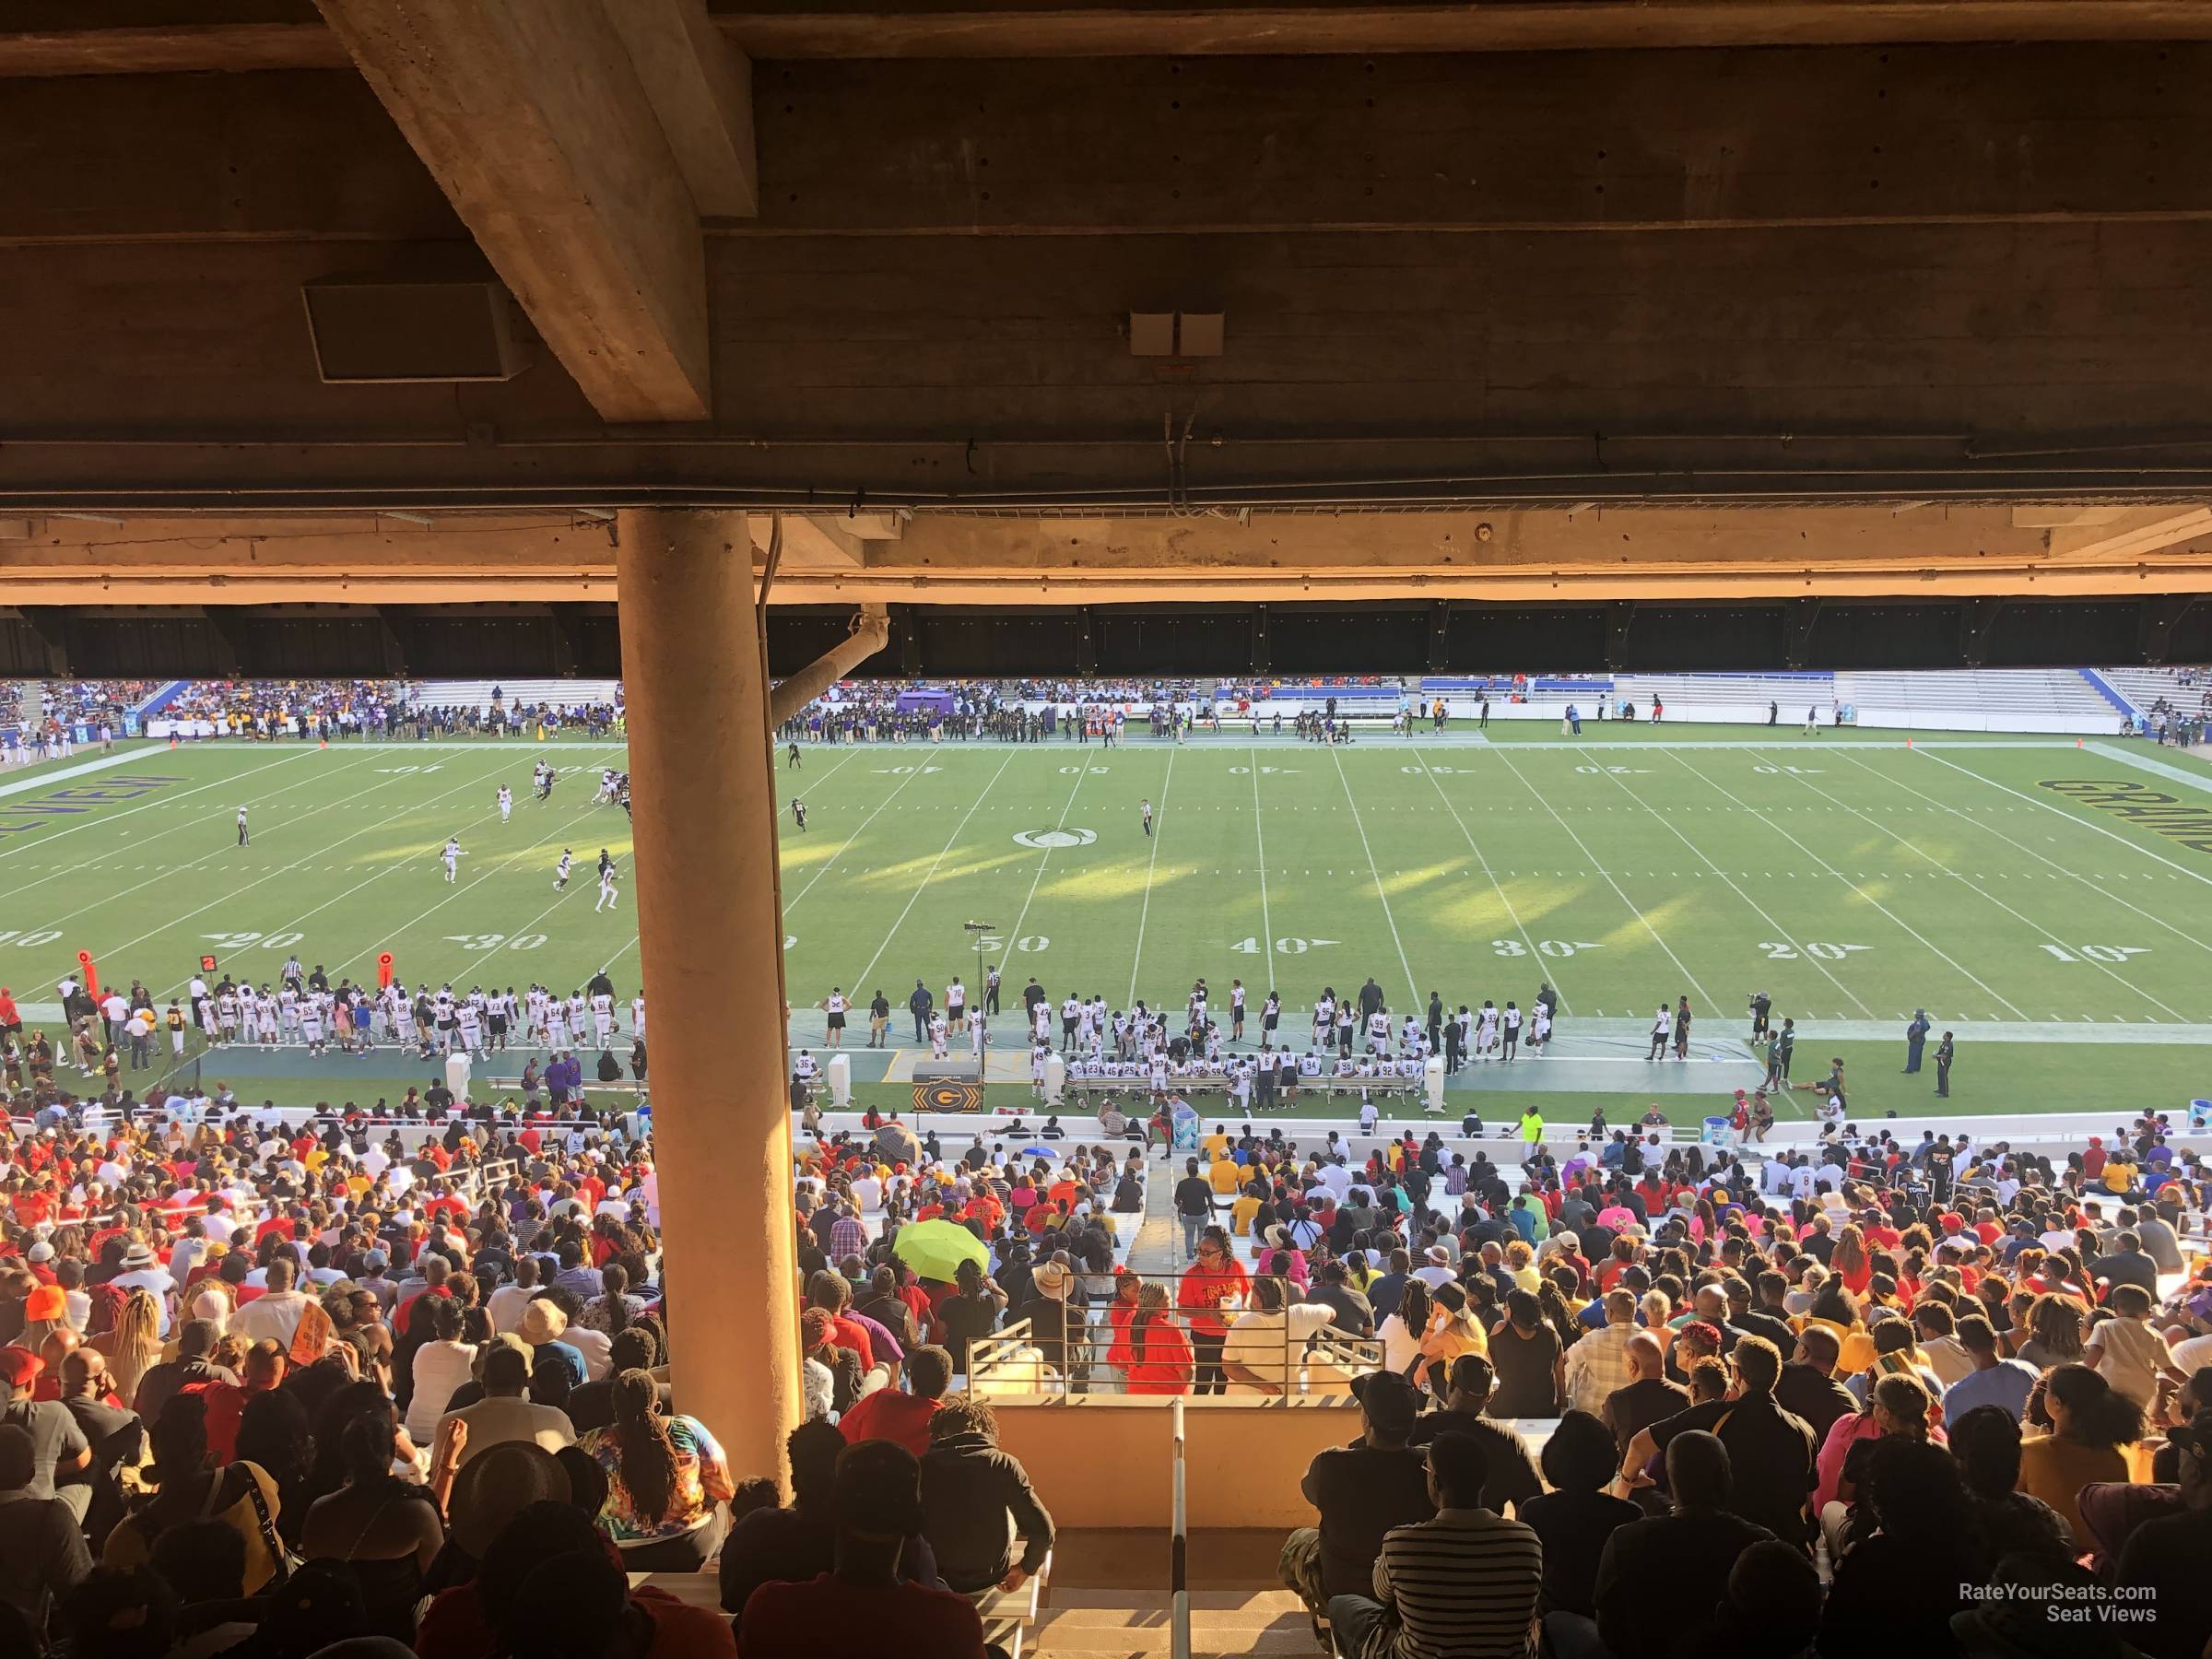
(454, 1627)
(891, 1414)
(831, 1620)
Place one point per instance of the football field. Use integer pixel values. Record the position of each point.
(2053, 904)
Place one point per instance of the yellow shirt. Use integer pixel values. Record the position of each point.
(1242, 1213)
(1224, 1177)
(2118, 1177)
(1217, 1147)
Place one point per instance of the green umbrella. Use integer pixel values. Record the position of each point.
(935, 1249)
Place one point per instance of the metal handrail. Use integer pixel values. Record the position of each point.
(1321, 1366)
(1179, 1546)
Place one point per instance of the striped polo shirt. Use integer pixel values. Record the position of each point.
(1463, 1587)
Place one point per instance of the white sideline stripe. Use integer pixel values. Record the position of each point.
(25, 786)
(162, 800)
(2151, 916)
(1985, 893)
(1259, 835)
(1519, 926)
(1143, 910)
(161, 872)
(1503, 752)
(1756, 909)
(2172, 773)
(955, 836)
(1412, 987)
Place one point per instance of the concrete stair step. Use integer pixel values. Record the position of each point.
(1115, 1624)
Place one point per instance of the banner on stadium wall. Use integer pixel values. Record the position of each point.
(948, 1095)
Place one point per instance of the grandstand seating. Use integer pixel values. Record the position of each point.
(1711, 696)
(2017, 699)
(477, 694)
(2185, 688)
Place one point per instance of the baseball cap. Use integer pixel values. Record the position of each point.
(1388, 1399)
(19, 1366)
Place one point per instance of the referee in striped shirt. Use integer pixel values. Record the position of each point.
(1464, 1584)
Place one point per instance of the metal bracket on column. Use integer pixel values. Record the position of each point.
(234, 662)
(397, 636)
(1618, 615)
(1439, 616)
(1261, 656)
(1976, 616)
(1087, 644)
(1799, 618)
(2155, 622)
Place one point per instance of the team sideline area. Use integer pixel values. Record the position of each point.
(1725, 1178)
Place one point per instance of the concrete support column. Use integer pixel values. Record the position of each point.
(711, 933)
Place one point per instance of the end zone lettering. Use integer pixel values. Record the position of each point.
(19, 816)
(2185, 824)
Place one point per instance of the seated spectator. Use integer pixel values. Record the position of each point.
(1986, 1443)
(977, 1504)
(1681, 1558)
(1899, 1587)
(57, 1444)
(1899, 1405)
(505, 1413)
(2167, 1558)
(862, 1609)
(1468, 1394)
(1808, 1385)
(204, 1563)
(579, 1602)
(1648, 1396)
(799, 1545)
(193, 1487)
(1575, 1518)
(1465, 1580)
(1994, 1380)
(2087, 1427)
(1769, 1609)
(1348, 1311)
(1266, 1343)
(1770, 1450)
(667, 1481)
(195, 1342)
(2127, 1352)
(1362, 1491)
(42, 1554)
(386, 1530)
(114, 1433)
(903, 1414)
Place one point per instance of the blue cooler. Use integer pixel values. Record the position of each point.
(1719, 1132)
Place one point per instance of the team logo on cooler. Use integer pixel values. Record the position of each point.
(1045, 839)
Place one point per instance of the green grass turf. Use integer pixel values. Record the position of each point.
(1634, 867)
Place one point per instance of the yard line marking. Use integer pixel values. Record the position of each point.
(1266, 926)
(2071, 818)
(1145, 910)
(157, 801)
(2151, 916)
(1014, 935)
(1757, 908)
(459, 889)
(274, 870)
(1412, 987)
(1518, 926)
(1703, 996)
(790, 904)
(1839, 875)
(1985, 893)
(861, 977)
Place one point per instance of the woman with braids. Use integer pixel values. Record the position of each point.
(2088, 1427)
(132, 1344)
(1161, 1360)
(666, 1481)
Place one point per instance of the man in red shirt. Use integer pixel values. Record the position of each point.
(863, 1610)
(902, 1415)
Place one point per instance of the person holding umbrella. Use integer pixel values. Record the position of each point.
(944, 1253)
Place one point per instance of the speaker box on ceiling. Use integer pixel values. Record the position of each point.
(369, 330)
